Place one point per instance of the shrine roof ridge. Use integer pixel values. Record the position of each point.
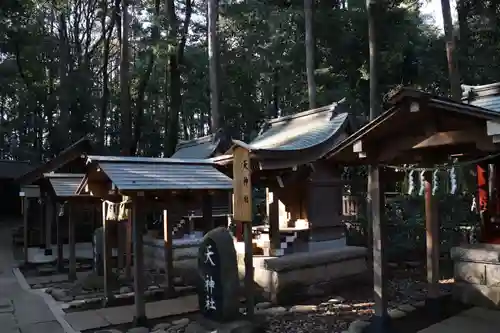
(146, 160)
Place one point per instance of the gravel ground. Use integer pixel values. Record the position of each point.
(406, 286)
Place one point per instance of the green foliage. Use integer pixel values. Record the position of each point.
(405, 221)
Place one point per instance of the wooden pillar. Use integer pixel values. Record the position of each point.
(483, 193)
(41, 215)
(168, 254)
(49, 218)
(381, 319)
(137, 226)
(72, 249)
(26, 205)
(128, 246)
(432, 238)
(108, 252)
(274, 224)
(59, 238)
(207, 209)
(242, 185)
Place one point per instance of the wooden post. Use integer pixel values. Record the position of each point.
(168, 255)
(26, 205)
(128, 246)
(381, 319)
(432, 239)
(59, 239)
(206, 205)
(274, 224)
(140, 308)
(242, 185)
(108, 254)
(49, 218)
(41, 215)
(71, 237)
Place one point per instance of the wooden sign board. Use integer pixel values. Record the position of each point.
(30, 191)
(242, 185)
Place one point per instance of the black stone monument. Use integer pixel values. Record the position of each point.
(98, 251)
(218, 276)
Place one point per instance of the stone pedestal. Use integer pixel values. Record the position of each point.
(477, 274)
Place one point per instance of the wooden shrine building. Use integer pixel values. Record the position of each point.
(38, 212)
(304, 204)
(142, 183)
(427, 131)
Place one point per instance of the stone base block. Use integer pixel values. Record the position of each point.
(283, 279)
(476, 294)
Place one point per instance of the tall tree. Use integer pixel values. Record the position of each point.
(310, 46)
(213, 63)
(126, 116)
(453, 71)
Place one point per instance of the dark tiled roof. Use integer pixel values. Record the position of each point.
(82, 146)
(203, 147)
(10, 169)
(150, 174)
(485, 96)
(302, 130)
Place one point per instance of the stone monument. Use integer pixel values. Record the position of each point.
(218, 276)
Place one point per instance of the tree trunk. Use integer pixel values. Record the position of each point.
(454, 75)
(126, 121)
(175, 60)
(143, 83)
(310, 45)
(213, 64)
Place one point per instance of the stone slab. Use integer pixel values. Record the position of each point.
(172, 307)
(117, 315)
(86, 320)
(44, 327)
(486, 253)
(476, 294)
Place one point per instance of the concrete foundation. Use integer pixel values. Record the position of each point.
(477, 274)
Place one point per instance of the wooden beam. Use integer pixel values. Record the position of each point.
(137, 225)
(379, 235)
(385, 151)
(59, 239)
(107, 253)
(242, 185)
(26, 205)
(432, 238)
(168, 254)
(72, 249)
(274, 221)
(452, 138)
(49, 218)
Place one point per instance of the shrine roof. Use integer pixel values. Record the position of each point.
(402, 121)
(202, 147)
(10, 169)
(302, 130)
(64, 184)
(73, 152)
(156, 174)
(485, 96)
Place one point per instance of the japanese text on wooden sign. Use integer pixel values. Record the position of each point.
(242, 185)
